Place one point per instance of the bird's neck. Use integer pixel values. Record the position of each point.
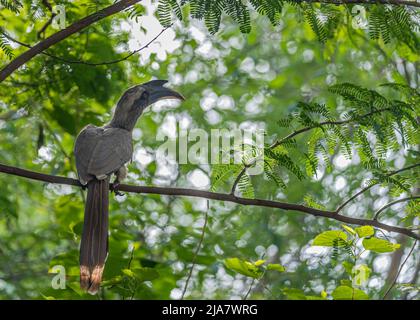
(125, 119)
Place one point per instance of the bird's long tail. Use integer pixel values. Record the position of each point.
(94, 244)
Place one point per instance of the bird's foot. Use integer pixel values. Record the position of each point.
(114, 187)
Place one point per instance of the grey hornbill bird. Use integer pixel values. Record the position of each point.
(99, 153)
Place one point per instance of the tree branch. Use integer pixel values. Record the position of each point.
(392, 203)
(50, 20)
(326, 123)
(200, 243)
(93, 64)
(372, 185)
(238, 177)
(399, 271)
(214, 196)
(63, 34)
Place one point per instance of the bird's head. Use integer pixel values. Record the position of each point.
(137, 98)
(143, 95)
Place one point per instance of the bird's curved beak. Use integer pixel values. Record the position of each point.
(158, 92)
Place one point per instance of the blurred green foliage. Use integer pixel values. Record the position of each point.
(284, 67)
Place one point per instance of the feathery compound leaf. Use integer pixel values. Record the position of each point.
(245, 187)
(5, 47)
(311, 202)
(165, 9)
(285, 161)
(285, 122)
(239, 13)
(212, 19)
(403, 88)
(164, 12)
(316, 24)
(393, 23)
(270, 8)
(199, 8)
(351, 92)
(378, 24)
(222, 172)
(136, 11)
(12, 5)
(272, 174)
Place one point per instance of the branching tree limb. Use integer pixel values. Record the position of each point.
(63, 34)
(303, 130)
(214, 196)
(392, 203)
(88, 63)
(50, 20)
(372, 185)
(326, 123)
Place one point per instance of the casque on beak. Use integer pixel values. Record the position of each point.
(158, 92)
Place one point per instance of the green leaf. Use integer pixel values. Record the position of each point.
(259, 262)
(314, 298)
(112, 282)
(330, 238)
(128, 272)
(298, 294)
(243, 267)
(365, 231)
(141, 274)
(379, 245)
(348, 293)
(346, 282)
(276, 267)
(348, 266)
(360, 274)
(348, 229)
(245, 186)
(294, 294)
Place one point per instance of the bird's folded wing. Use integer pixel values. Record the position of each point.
(85, 144)
(111, 152)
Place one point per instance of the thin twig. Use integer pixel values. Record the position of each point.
(93, 64)
(196, 251)
(239, 176)
(50, 20)
(131, 258)
(399, 271)
(372, 185)
(392, 203)
(46, 25)
(326, 123)
(249, 290)
(57, 140)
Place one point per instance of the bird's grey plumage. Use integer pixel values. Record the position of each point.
(99, 153)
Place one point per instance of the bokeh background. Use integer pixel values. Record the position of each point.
(231, 80)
